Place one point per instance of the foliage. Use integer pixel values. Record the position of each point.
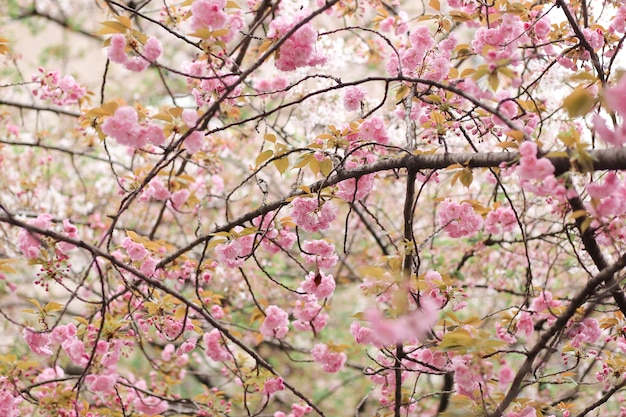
(296, 207)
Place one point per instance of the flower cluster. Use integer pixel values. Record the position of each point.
(530, 167)
(60, 91)
(233, 252)
(310, 316)
(319, 252)
(214, 348)
(210, 15)
(117, 52)
(458, 219)
(125, 128)
(299, 49)
(614, 97)
(276, 323)
(499, 220)
(353, 98)
(318, 284)
(310, 216)
(330, 360)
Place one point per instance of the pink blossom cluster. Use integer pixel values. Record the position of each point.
(274, 239)
(299, 49)
(40, 343)
(458, 219)
(330, 360)
(609, 198)
(28, 243)
(373, 129)
(470, 374)
(297, 410)
(60, 91)
(125, 128)
(355, 189)
(273, 385)
(195, 139)
(618, 23)
(500, 220)
(614, 97)
(530, 167)
(409, 327)
(501, 41)
(277, 83)
(215, 86)
(438, 293)
(233, 253)
(319, 252)
(585, 331)
(214, 346)
(310, 216)
(354, 97)
(400, 22)
(117, 52)
(276, 323)
(147, 404)
(208, 14)
(9, 403)
(420, 59)
(310, 316)
(318, 284)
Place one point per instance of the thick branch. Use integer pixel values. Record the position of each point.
(604, 160)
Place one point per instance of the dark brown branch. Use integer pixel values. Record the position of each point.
(604, 160)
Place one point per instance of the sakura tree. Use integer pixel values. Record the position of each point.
(296, 207)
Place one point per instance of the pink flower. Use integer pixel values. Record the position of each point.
(186, 347)
(208, 14)
(136, 251)
(124, 127)
(299, 49)
(273, 385)
(101, 383)
(505, 377)
(310, 216)
(319, 252)
(309, 315)
(276, 323)
(70, 231)
(500, 220)
(373, 129)
(353, 97)
(230, 253)
(529, 166)
(8, 404)
(39, 343)
(611, 182)
(214, 348)
(331, 361)
(29, 245)
(458, 219)
(117, 53)
(148, 267)
(318, 284)
(363, 335)
(179, 198)
(194, 142)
